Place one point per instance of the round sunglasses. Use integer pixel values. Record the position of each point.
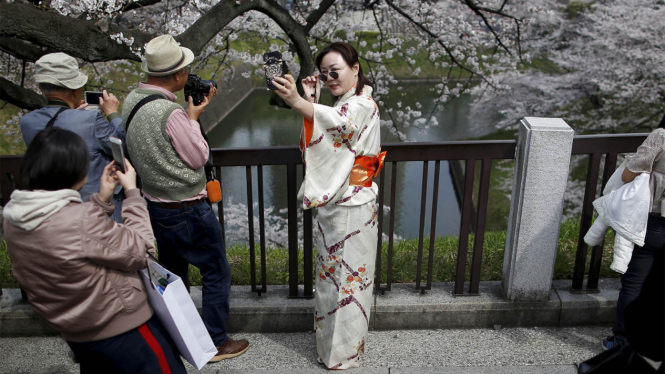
(332, 74)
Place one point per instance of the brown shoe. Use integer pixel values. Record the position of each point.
(231, 348)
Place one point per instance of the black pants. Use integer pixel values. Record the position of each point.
(147, 349)
(638, 269)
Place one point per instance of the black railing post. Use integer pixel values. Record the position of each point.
(391, 230)
(421, 230)
(597, 251)
(464, 227)
(262, 233)
(479, 239)
(220, 204)
(585, 223)
(432, 231)
(293, 228)
(250, 227)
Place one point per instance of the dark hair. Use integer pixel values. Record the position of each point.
(56, 159)
(350, 55)
(662, 123)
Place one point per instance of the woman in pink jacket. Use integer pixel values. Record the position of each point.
(79, 267)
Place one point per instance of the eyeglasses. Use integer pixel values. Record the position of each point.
(333, 75)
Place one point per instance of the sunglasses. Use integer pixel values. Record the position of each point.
(324, 77)
(332, 74)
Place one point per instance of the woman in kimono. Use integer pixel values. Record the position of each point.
(342, 153)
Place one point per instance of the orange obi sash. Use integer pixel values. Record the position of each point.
(366, 168)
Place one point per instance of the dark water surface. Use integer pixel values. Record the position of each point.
(254, 123)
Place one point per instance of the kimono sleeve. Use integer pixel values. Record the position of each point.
(329, 150)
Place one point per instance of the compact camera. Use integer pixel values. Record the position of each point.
(197, 88)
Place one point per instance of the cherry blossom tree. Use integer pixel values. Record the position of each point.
(469, 41)
(606, 68)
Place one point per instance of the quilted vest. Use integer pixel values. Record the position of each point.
(163, 173)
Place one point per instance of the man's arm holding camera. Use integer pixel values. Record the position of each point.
(111, 125)
(185, 132)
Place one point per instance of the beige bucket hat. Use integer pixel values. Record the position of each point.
(59, 69)
(163, 56)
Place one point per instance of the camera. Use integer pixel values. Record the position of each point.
(197, 88)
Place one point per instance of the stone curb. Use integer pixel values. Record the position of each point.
(401, 308)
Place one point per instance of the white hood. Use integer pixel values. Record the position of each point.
(28, 209)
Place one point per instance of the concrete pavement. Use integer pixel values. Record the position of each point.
(535, 350)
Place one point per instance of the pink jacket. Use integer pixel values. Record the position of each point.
(79, 268)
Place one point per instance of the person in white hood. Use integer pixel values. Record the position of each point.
(78, 267)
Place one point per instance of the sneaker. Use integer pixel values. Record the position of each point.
(231, 348)
(610, 342)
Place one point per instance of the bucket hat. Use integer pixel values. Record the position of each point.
(59, 69)
(163, 56)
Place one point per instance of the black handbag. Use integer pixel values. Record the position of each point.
(619, 359)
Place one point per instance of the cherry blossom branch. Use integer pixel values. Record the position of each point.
(438, 40)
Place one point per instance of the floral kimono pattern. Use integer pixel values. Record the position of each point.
(347, 224)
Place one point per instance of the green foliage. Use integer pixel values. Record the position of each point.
(405, 259)
(574, 8)
(6, 278)
(11, 140)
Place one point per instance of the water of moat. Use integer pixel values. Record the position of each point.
(255, 123)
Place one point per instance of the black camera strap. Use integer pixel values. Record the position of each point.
(52, 121)
(209, 170)
(138, 106)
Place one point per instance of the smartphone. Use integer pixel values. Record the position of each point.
(92, 97)
(118, 154)
(274, 67)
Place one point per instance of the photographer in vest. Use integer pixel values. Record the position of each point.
(169, 153)
(61, 82)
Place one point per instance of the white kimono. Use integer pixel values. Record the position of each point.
(347, 223)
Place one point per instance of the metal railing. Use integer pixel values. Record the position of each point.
(470, 152)
(484, 151)
(596, 146)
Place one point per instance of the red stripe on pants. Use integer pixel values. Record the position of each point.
(154, 344)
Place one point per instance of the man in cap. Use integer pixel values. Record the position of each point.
(169, 153)
(61, 82)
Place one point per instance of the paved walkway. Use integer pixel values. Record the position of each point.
(473, 351)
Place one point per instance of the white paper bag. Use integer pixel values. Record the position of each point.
(179, 316)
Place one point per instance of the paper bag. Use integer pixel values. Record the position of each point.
(179, 316)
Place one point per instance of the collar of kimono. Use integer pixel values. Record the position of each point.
(366, 168)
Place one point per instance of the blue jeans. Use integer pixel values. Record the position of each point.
(117, 201)
(193, 235)
(638, 268)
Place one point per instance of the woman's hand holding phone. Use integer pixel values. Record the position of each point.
(112, 177)
(128, 178)
(287, 90)
(108, 182)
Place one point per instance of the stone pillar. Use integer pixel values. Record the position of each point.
(542, 160)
